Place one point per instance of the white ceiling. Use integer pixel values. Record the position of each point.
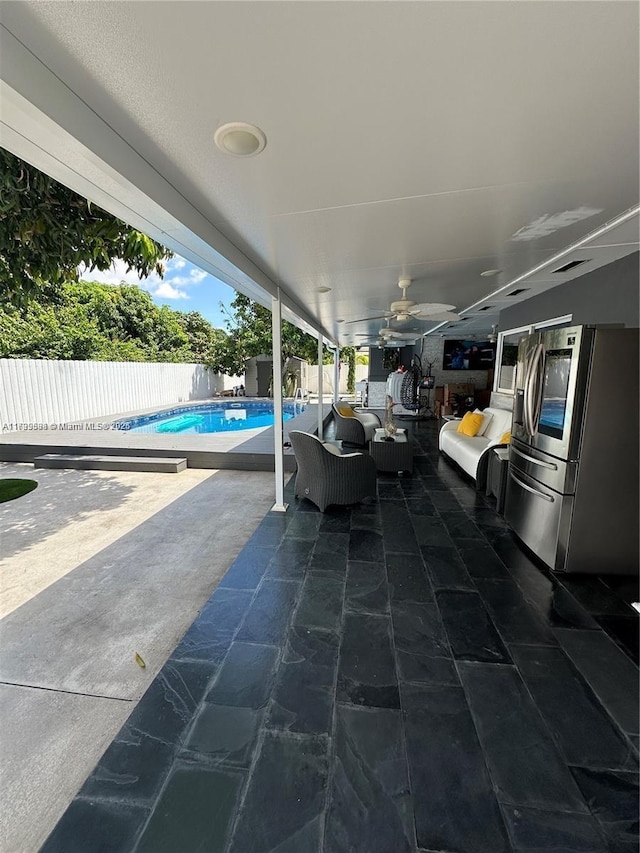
(404, 138)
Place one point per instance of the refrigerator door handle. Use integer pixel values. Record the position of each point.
(526, 403)
(535, 461)
(537, 381)
(533, 491)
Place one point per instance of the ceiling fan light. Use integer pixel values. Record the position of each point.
(401, 306)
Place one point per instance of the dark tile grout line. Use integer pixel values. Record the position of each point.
(585, 684)
(184, 737)
(494, 784)
(332, 745)
(460, 687)
(410, 783)
(262, 733)
(456, 663)
(264, 729)
(545, 726)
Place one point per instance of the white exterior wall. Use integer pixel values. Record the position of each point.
(362, 372)
(42, 391)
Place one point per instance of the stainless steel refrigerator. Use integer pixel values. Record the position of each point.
(572, 489)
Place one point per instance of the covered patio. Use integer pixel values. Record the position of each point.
(393, 676)
(401, 675)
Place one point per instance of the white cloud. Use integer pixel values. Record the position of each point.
(116, 274)
(166, 291)
(180, 280)
(173, 286)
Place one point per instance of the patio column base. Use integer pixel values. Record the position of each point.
(279, 508)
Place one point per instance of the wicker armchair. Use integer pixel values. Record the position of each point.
(352, 426)
(326, 478)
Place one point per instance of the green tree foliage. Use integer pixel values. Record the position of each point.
(207, 344)
(47, 231)
(250, 335)
(348, 354)
(90, 321)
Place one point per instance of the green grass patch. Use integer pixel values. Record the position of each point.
(12, 489)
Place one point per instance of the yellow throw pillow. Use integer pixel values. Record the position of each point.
(470, 424)
(346, 411)
(506, 438)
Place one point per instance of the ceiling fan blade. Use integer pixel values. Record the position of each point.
(365, 319)
(443, 315)
(424, 308)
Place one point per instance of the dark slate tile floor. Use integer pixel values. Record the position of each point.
(394, 677)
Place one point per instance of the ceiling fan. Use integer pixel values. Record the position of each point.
(391, 334)
(387, 342)
(391, 337)
(404, 309)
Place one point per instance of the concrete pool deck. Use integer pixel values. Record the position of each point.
(244, 450)
(95, 567)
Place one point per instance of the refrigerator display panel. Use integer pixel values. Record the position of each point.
(557, 371)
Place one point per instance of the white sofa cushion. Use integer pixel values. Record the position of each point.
(499, 424)
(466, 450)
(486, 420)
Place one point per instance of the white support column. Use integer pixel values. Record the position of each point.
(278, 432)
(336, 375)
(320, 389)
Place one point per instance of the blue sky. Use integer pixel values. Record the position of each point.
(184, 287)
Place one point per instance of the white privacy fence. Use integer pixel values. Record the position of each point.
(42, 391)
(362, 372)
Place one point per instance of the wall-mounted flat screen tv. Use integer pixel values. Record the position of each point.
(468, 355)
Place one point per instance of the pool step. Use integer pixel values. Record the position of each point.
(156, 464)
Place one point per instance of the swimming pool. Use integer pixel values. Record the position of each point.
(210, 417)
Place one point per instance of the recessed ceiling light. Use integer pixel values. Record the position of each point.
(240, 139)
(489, 273)
(323, 289)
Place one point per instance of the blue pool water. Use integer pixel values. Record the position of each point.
(210, 417)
